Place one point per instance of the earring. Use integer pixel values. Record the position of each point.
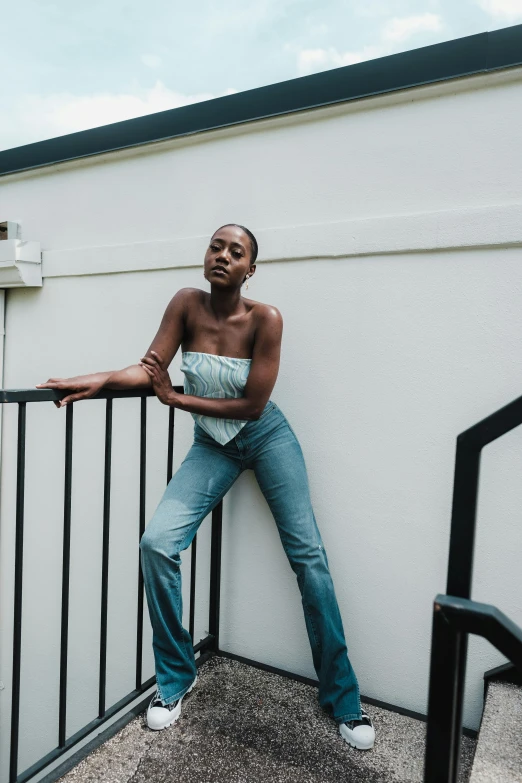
(246, 283)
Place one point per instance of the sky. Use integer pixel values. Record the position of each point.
(69, 65)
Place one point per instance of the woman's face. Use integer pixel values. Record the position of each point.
(227, 260)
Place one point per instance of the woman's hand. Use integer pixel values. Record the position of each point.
(83, 386)
(160, 379)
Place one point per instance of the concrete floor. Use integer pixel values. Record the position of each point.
(499, 753)
(241, 725)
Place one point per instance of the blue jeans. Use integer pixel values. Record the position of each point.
(269, 447)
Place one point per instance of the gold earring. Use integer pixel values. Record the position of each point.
(246, 283)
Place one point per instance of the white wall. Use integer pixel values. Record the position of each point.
(393, 227)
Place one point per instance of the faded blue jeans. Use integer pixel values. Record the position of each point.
(269, 447)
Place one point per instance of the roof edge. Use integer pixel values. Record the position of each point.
(479, 53)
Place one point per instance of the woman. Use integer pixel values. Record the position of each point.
(230, 358)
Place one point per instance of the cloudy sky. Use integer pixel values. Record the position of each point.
(72, 64)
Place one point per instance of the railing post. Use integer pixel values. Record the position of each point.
(446, 693)
(17, 618)
(105, 557)
(463, 518)
(66, 559)
(141, 587)
(215, 575)
(170, 444)
(193, 566)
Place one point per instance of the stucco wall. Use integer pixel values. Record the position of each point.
(391, 233)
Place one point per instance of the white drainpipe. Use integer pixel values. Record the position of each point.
(20, 267)
(2, 355)
(2, 340)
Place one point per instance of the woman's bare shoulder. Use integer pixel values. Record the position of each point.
(266, 311)
(265, 314)
(187, 296)
(191, 293)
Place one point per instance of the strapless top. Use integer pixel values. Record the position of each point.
(209, 375)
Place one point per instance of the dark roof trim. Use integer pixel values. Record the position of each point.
(462, 57)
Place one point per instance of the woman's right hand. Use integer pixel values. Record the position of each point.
(82, 386)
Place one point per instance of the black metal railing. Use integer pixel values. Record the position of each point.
(206, 646)
(455, 616)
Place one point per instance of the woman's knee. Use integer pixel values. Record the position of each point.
(154, 542)
(167, 534)
(150, 543)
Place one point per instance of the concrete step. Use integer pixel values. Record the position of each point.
(498, 757)
(242, 725)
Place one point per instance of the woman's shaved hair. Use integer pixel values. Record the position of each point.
(254, 249)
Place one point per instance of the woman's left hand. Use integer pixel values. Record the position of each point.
(160, 378)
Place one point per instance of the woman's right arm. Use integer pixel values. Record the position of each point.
(166, 343)
(85, 386)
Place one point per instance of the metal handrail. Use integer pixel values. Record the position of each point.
(450, 640)
(54, 395)
(465, 492)
(453, 620)
(22, 397)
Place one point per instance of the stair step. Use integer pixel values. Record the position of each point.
(241, 724)
(498, 757)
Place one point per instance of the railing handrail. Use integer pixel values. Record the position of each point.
(455, 616)
(454, 619)
(465, 492)
(495, 425)
(483, 620)
(52, 395)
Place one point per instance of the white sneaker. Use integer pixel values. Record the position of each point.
(160, 716)
(359, 733)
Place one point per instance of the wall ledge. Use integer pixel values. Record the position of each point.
(455, 229)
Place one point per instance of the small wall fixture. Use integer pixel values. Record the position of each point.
(20, 262)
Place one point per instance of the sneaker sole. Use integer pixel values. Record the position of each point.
(175, 712)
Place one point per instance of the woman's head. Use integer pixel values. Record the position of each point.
(231, 256)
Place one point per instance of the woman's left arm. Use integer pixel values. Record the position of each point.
(260, 382)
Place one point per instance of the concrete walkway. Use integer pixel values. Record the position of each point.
(242, 725)
(499, 751)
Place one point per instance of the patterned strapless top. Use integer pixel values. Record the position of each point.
(209, 375)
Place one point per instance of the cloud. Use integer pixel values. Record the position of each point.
(151, 60)
(400, 29)
(313, 60)
(236, 16)
(318, 30)
(391, 36)
(507, 10)
(34, 117)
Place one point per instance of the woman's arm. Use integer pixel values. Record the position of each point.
(165, 344)
(261, 378)
(85, 386)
